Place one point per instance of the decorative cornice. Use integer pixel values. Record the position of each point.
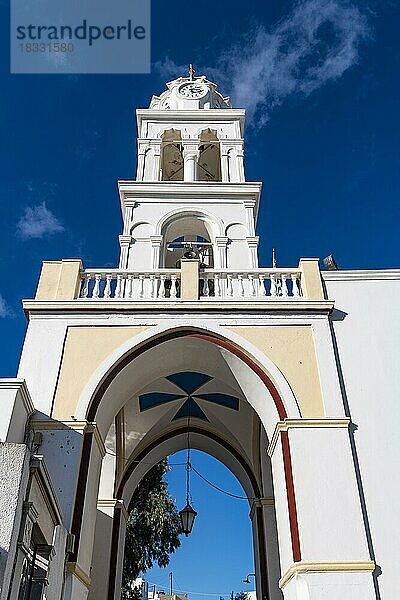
(303, 423)
(178, 116)
(325, 567)
(361, 275)
(210, 305)
(75, 569)
(14, 383)
(82, 426)
(131, 190)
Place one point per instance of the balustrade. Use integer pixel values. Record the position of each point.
(129, 285)
(165, 284)
(257, 283)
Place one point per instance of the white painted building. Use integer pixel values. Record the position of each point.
(288, 376)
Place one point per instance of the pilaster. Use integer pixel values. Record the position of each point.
(252, 243)
(156, 243)
(125, 243)
(190, 156)
(221, 243)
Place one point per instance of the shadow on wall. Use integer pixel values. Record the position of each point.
(339, 315)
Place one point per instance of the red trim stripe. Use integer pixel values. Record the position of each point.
(291, 498)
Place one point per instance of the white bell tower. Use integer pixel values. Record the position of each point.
(190, 192)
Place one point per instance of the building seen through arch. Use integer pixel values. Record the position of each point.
(287, 375)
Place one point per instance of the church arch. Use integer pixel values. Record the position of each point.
(263, 366)
(215, 224)
(169, 443)
(281, 405)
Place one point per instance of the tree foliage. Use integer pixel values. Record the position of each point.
(153, 527)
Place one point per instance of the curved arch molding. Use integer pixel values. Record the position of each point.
(129, 357)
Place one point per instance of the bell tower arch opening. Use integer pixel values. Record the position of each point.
(171, 155)
(209, 161)
(188, 235)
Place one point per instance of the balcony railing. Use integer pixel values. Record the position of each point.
(256, 283)
(165, 284)
(131, 285)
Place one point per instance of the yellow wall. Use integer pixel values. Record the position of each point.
(85, 349)
(292, 349)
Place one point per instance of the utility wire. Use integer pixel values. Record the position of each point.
(220, 489)
(191, 467)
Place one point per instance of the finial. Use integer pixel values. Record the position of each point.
(273, 259)
(191, 72)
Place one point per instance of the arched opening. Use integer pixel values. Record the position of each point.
(213, 444)
(227, 422)
(189, 232)
(218, 554)
(209, 161)
(171, 156)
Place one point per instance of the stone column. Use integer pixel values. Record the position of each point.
(190, 156)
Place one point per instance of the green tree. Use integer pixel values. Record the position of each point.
(152, 529)
(241, 596)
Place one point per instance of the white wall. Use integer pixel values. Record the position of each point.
(367, 331)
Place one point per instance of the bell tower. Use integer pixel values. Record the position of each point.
(190, 197)
(189, 336)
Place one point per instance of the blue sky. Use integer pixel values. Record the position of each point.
(321, 83)
(323, 137)
(217, 556)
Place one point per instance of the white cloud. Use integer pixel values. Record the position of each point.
(316, 43)
(5, 310)
(37, 222)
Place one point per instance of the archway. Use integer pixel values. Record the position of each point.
(216, 446)
(222, 360)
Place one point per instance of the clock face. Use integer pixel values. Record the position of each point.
(192, 89)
